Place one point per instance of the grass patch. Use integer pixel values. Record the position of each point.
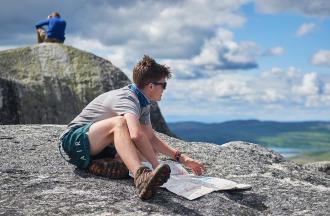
(297, 139)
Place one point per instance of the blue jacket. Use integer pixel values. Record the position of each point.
(56, 27)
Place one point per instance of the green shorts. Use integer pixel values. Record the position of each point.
(76, 146)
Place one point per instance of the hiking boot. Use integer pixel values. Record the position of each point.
(109, 168)
(147, 181)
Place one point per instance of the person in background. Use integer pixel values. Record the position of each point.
(55, 29)
(113, 133)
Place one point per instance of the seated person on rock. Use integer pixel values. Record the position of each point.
(55, 29)
(113, 133)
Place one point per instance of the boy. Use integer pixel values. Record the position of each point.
(113, 133)
(55, 29)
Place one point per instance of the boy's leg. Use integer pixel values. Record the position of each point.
(109, 168)
(41, 35)
(53, 40)
(114, 130)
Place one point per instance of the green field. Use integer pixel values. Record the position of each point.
(311, 157)
(315, 145)
(297, 139)
(311, 139)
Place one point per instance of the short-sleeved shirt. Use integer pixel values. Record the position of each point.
(128, 99)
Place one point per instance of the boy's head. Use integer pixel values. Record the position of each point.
(147, 70)
(54, 14)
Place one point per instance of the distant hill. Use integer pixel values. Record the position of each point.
(314, 134)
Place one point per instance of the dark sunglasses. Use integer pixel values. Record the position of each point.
(164, 84)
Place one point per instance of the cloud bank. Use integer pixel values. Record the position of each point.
(276, 91)
(216, 71)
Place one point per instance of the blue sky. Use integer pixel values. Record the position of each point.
(280, 29)
(231, 59)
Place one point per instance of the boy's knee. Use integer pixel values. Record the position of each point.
(120, 121)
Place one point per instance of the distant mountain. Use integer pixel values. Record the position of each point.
(309, 134)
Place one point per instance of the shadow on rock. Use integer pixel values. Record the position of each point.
(250, 200)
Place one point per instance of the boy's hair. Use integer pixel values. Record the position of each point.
(55, 14)
(147, 70)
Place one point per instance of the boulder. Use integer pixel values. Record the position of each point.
(35, 180)
(50, 83)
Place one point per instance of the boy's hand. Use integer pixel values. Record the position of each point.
(196, 166)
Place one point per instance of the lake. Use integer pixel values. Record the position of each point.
(291, 152)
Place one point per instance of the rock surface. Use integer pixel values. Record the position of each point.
(35, 180)
(323, 166)
(50, 84)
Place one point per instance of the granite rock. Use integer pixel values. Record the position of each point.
(35, 180)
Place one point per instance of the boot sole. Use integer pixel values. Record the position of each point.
(160, 177)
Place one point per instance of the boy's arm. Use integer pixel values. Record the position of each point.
(162, 147)
(42, 23)
(141, 141)
(159, 145)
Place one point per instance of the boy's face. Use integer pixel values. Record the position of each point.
(158, 89)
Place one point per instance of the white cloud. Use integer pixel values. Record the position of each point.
(166, 30)
(220, 52)
(194, 39)
(279, 89)
(229, 86)
(275, 51)
(7, 47)
(117, 55)
(181, 68)
(327, 89)
(305, 29)
(86, 44)
(310, 85)
(321, 58)
(189, 34)
(177, 31)
(220, 87)
(149, 26)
